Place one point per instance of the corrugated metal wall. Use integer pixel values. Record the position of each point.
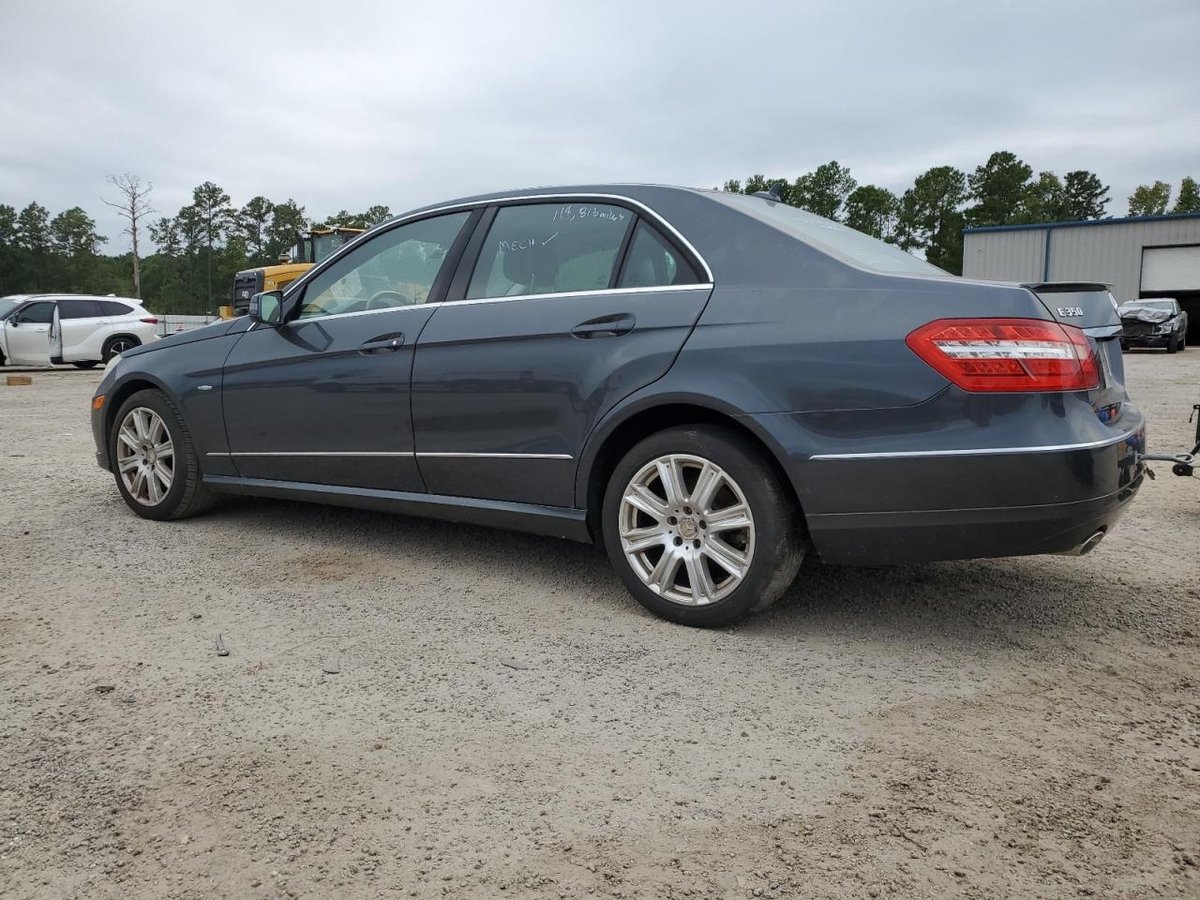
(1004, 255)
(1110, 253)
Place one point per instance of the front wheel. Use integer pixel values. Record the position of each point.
(85, 364)
(156, 466)
(699, 526)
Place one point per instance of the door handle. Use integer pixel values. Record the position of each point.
(385, 343)
(605, 326)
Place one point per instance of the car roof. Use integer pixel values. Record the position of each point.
(73, 297)
(703, 220)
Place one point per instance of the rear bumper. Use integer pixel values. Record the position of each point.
(882, 508)
(929, 535)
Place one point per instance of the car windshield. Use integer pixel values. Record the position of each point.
(8, 306)
(849, 245)
(1168, 305)
(325, 244)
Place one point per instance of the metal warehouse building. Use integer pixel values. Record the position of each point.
(1149, 256)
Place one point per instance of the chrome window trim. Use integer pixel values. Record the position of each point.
(548, 296)
(983, 451)
(640, 207)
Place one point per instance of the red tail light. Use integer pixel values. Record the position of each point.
(149, 320)
(1008, 354)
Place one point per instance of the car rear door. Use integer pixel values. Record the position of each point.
(559, 310)
(323, 399)
(27, 334)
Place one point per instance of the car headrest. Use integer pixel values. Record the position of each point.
(535, 266)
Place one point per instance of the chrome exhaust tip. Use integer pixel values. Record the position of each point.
(1087, 546)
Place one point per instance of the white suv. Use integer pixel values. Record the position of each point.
(40, 329)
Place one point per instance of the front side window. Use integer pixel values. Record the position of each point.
(36, 314)
(546, 248)
(652, 262)
(397, 268)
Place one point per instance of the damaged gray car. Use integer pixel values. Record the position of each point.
(1153, 323)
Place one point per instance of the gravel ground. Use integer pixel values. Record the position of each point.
(424, 709)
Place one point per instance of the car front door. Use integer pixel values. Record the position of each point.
(27, 334)
(76, 323)
(324, 397)
(568, 307)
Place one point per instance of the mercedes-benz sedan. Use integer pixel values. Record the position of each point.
(710, 385)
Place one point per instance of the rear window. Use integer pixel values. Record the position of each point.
(837, 240)
(1168, 305)
(112, 308)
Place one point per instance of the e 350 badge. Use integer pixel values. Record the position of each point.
(1070, 311)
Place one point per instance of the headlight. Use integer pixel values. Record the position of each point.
(1164, 329)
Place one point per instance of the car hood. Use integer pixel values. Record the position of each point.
(1144, 314)
(203, 333)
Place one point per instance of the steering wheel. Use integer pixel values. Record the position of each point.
(387, 300)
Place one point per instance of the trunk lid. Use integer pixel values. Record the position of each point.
(1090, 306)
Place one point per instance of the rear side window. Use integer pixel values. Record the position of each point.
(652, 262)
(113, 308)
(77, 308)
(547, 248)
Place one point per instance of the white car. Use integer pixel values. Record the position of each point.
(41, 329)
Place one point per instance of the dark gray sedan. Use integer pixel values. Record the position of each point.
(711, 385)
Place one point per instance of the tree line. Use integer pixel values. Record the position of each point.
(198, 250)
(930, 216)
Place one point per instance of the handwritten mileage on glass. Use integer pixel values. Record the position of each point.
(566, 216)
(584, 211)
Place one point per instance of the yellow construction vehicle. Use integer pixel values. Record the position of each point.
(309, 250)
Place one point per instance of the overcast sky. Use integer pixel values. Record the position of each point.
(349, 104)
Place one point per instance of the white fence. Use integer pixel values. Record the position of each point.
(171, 324)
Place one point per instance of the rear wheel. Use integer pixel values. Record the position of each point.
(155, 464)
(699, 526)
(119, 344)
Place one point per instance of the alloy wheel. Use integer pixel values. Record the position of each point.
(686, 529)
(119, 346)
(145, 456)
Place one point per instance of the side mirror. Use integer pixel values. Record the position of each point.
(267, 307)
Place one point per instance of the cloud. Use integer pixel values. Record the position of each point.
(345, 106)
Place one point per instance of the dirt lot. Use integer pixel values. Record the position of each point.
(504, 721)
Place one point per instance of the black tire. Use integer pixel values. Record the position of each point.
(778, 547)
(187, 495)
(1172, 344)
(85, 364)
(118, 344)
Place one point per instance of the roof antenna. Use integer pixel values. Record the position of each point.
(772, 194)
